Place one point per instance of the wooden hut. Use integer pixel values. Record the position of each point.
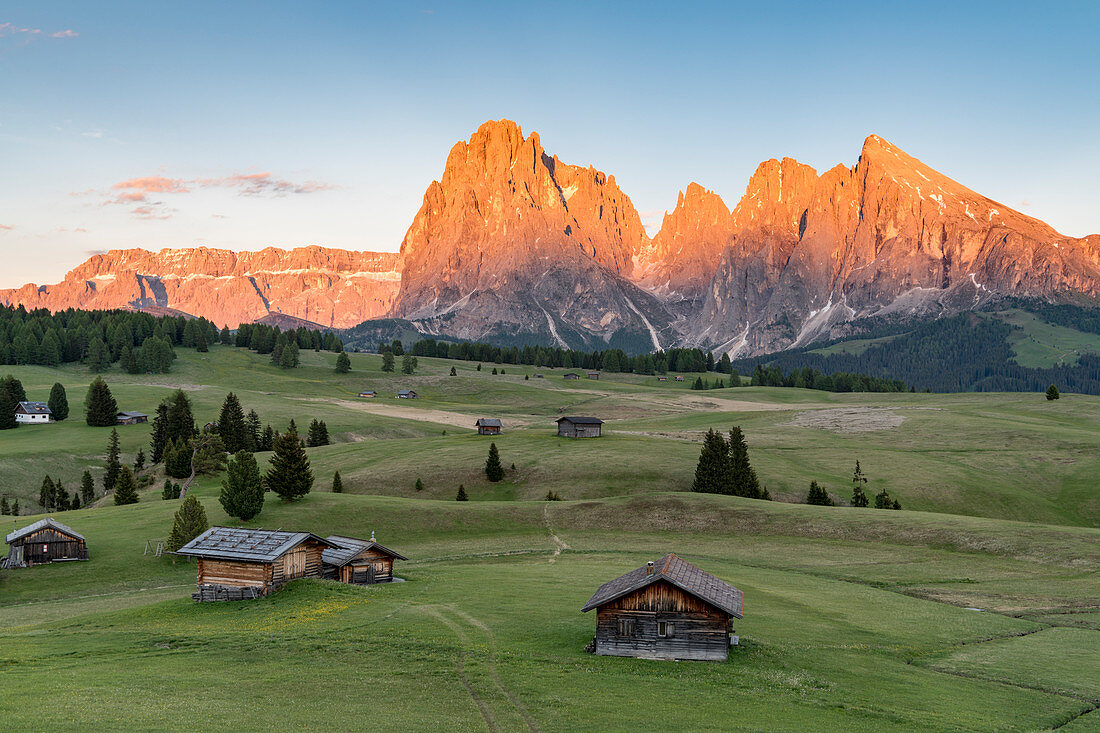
(593, 375)
(368, 393)
(361, 562)
(579, 427)
(129, 417)
(235, 564)
(570, 375)
(46, 540)
(665, 610)
(488, 426)
(407, 394)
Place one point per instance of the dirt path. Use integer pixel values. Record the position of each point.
(559, 543)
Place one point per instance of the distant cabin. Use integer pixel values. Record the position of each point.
(360, 562)
(368, 393)
(235, 564)
(32, 412)
(488, 426)
(579, 427)
(593, 375)
(662, 379)
(46, 540)
(538, 376)
(679, 377)
(665, 610)
(406, 394)
(131, 418)
(571, 375)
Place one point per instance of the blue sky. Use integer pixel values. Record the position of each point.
(245, 125)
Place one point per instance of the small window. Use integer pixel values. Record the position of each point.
(664, 629)
(626, 627)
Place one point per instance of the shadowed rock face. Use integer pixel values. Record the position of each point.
(513, 243)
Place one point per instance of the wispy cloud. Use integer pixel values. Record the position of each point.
(153, 184)
(29, 34)
(256, 184)
(6, 227)
(652, 219)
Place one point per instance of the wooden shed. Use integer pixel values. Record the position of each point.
(407, 394)
(593, 375)
(669, 609)
(361, 562)
(368, 393)
(570, 375)
(46, 540)
(235, 564)
(579, 427)
(488, 426)
(129, 417)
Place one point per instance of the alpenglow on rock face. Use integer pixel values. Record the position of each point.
(513, 245)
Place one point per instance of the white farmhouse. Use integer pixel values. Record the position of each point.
(32, 412)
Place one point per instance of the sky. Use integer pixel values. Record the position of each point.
(245, 125)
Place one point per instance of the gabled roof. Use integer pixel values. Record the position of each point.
(47, 523)
(581, 420)
(132, 413)
(34, 408)
(407, 391)
(346, 548)
(679, 573)
(249, 545)
(488, 422)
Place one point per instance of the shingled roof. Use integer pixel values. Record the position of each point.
(681, 574)
(33, 408)
(47, 523)
(488, 422)
(346, 548)
(249, 545)
(580, 420)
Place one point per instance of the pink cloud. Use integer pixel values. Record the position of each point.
(6, 227)
(152, 211)
(153, 184)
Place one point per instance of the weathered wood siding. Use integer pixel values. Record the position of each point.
(304, 561)
(488, 430)
(234, 574)
(369, 566)
(572, 430)
(698, 630)
(47, 545)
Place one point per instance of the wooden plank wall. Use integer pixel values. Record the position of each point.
(236, 574)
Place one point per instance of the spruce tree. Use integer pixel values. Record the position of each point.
(267, 440)
(169, 491)
(87, 488)
(883, 500)
(8, 405)
(289, 359)
(419, 485)
(289, 475)
(4, 508)
(408, 364)
(254, 432)
(46, 494)
(177, 459)
(74, 501)
(15, 508)
(387, 361)
(114, 465)
(818, 496)
(14, 386)
(859, 481)
(322, 433)
(242, 494)
(139, 460)
(98, 356)
(126, 488)
(343, 363)
(58, 402)
(337, 483)
(493, 470)
(100, 408)
(1052, 393)
(158, 440)
(189, 523)
(896, 504)
(60, 497)
(314, 435)
(743, 480)
(712, 474)
(454, 372)
(231, 425)
(179, 420)
(461, 494)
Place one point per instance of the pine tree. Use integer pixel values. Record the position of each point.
(1052, 393)
(343, 363)
(289, 474)
(139, 460)
(712, 474)
(201, 344)
(454, 372)
(419, 485)
(883, 500)
(125, 489)
(493, 470)
(818, 496)
(317, 434)
(859, 481)
(242, 493)
(231, 424)
(99, 356)
(60, 497)
(743, 478)
(100, 408)
(114, 465)
(337, 483)
(479, 367)
(322, 433)
(289, 359)
(267, 440)
(461, 494)
(15, 508)
(896, 504)
(179, 420)
(189, 523)
(4, 508)
(494, 370)
(87, 488)
(224, 337)
(177, 459)
(8, 405)
(699, 384)
(158, 440)
(724, 365)
(14, 386)
(254, 432)
(58, 402)
(387, 361)
(46, 493)
(74, 501)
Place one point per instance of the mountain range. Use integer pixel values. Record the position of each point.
(514, 245)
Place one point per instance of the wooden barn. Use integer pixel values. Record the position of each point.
(32, 412)
(593, 375)
(368, 393)
(488, 426)
(361, 562)
(665, 610)
(46, 540)
(235, 564)
(579, 427)
(407, 394)
(662, 379)
(129, 417)
(570, 375)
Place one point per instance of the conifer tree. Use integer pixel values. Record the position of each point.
(14, 386)
(15, 508)
(818, 496)
(267, 440)
(179, 420)
(189, 523)
(493, 470)
(408, 364)
(87, 488)
(4, 508)
(125, 489)
(60, 497)
(461, 494)
(289, 474)
(317, 434)
(712, 474)
(46, 494)
(289, 359)
(337, 483)
(74, 501)
(201, 344)
(896, 504)
(177, 459)
(419, 485)
(169, 491)
(387, 361)
(454, 372)
(100, 407)
(114, 465)
(343, 363)
(99, 356)
(859, 481)
(479, 367)
(883, 500)
(743, 480)
(139, 460)
(242, 494)
(1052, 393)
(231, 424)
(494, 370)
(158, 440)
(58, 402)
(8, 405)
(254, 433)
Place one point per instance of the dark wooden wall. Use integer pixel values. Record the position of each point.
(47, 545)
(356, 571)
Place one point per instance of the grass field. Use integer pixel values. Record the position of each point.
(963, 616)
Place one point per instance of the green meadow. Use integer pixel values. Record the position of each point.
(976, 608)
